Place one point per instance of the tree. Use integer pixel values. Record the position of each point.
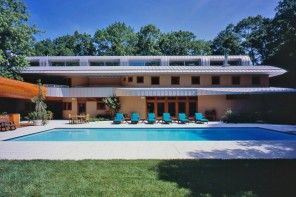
(148, 40)
(83, 44)
(181, 43)
(16, 38)
(253, 36)
(113, 104)
(116, 39)
(44, 48)
(227, 41)
(281, 48)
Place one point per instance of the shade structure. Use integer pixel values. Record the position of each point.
(10, 88)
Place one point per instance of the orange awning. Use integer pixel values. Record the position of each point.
(10, 88)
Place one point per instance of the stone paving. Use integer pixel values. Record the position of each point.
(145, 150)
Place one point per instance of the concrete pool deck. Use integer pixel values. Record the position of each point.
(145, 150)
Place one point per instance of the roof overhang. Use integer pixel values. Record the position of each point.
(163, 91)
(10, 88)
(271, 71)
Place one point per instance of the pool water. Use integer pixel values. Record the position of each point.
(156, 134)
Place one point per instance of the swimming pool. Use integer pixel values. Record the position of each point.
(156, 134)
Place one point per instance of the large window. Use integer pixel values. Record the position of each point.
(235, 80)
(175, 80)
(154, 80)
(144, 63)
(130, 79)
(195, 80)
(215, 80)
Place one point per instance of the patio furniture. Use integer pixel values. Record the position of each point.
(199, 117)
(135, 118)
(182, 118)
(151, 118)
(118, 118)
(166, 118)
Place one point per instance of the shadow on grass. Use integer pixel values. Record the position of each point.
(231, 177)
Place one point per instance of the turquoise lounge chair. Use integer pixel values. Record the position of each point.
(135, 118)
(182, 118)
(199, 117)
(151, 118)
(118, 118)
(166, 118)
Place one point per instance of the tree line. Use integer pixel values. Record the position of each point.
(266, 40)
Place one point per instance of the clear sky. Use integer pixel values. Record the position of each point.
(205, 18)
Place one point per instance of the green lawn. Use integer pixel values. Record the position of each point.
(148, 178)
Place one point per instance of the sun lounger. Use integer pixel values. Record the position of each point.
(118, 118)
(166, 118)
(135, 118)
(199, 117)
(182, 118)
(151, 118)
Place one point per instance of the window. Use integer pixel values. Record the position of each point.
(96, 63)
(67, 106)
(100, 104)
(144, 63)
(72, 63)
(57, 63)
(256, 80)
(235, 80)
(195, 80)
(140, 79)
(176, 63)
(154, 80)
(62, 63)
(175, 80)
(112, 63)
(34, 63)
(234, 62)
(215, 80)
(216, 63)
(130, 79)
(192, 63)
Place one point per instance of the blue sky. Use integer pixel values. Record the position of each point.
(205, 18)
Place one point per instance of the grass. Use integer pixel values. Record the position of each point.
(148, 178)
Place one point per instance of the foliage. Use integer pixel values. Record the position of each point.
(148, 40)
(113, 104)
(116, 39)
(40, 112)
(227, 41)
(210, 177)
(182, 43)
(16, 38)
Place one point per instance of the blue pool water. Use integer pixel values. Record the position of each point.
(156, 134)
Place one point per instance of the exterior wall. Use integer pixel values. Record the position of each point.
(133, 104)
(220, 104)
(105, 81)
(185, 80)
(91, 108)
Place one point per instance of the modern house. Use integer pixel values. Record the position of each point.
(209, 84)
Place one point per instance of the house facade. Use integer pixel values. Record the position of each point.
(174, 84)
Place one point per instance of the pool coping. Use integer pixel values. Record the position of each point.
(77, 150)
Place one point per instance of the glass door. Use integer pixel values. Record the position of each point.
(81, 108)
(172, 108)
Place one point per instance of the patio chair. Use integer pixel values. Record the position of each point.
(166, 118)
(199, 117)
(118, 118)
(135, 118)
(182, 118)
(151, 118)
